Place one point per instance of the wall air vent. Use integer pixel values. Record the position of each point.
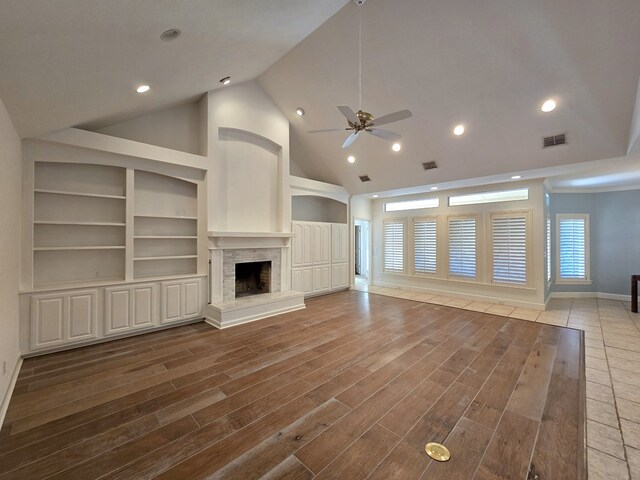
(554, 140)
(365, 178)
(429, 165)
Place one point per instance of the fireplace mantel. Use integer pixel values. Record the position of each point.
(236, 240)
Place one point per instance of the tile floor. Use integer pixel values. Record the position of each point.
(612, 337)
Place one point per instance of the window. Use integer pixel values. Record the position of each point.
(509, 235)
(462, 247)
(411, 205)
(394, 246)
(573, 249)
(424, 245)
(489, 197)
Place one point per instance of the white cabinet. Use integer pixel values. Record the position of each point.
(302, 280)
(339, 243)
(321, 243)
(320, 252)
(321, 279)
(180, 300)
(63, 318)
(129, 308)
(339, 277)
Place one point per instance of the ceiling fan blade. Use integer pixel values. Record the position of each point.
(350, 139)
(386, 134)
(327, 130)
(392, 117)
(349, 114)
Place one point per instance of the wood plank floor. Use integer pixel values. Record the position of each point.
(352, 387)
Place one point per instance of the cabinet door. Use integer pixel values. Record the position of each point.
(296, 280)
(321, 243)
(117, 310)
(191, 298)
(307, 244)
(296, 248)
(171, 308)
(83, 313)
(47, 320)
(144, 305)
(338, 243)
(321, 279)
(339, 276)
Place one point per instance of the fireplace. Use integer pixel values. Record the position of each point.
(252, 278)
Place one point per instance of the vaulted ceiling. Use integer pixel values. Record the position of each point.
(488, 65)
(69, 62)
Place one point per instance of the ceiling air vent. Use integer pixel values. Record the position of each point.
(365, 178)
(554, 140)
(429, 165)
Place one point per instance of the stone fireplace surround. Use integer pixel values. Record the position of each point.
(228, 248)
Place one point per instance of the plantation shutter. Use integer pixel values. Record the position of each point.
(424, 246)
(548, 249)
(462, 247)
(573, 256)
(394, 246)
(510, 249)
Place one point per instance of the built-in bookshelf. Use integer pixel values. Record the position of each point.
(79, 213)
(165, 226)
(81, 231)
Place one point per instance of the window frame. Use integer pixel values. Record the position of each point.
(587, 250)
(402, 221)
(460, 278)
(436, 219)
(527, 214)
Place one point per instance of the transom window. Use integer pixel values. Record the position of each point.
(411, 204)
(489, 197)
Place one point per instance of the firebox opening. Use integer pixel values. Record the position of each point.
(253, 278)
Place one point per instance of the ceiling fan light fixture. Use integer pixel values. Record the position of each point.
(396, 147)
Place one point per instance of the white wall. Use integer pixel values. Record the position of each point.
(531, 296)
(177, 128)
(10, 219)
(248, 179)
(309, 208)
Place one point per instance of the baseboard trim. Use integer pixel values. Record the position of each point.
(7, 396)
(466, 296)
(602, 295)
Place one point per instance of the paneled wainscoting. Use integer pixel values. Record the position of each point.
(352, 387)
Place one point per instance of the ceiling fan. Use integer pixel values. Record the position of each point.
(362, 121)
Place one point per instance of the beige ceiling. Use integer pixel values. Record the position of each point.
(487, 64)
(69, 62)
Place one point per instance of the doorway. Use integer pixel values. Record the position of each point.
(361, 249)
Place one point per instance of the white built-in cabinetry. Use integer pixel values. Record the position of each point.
(319, 257)
(115, 251)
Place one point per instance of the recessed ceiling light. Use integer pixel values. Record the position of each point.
(459, 130)
(170, 34)
(434, 188)
(516, 177)
(143, 89)
(351, 159)
(374, 196)
(300, 111)
(548, 106)
(225, 80)
(396, 147)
